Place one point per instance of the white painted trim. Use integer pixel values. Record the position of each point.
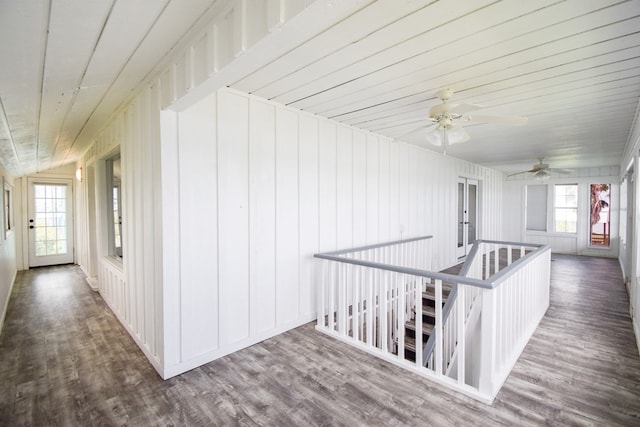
(184, 366)
(6, 303)
(153, 359)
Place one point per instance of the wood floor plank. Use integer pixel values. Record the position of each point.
(65, 360)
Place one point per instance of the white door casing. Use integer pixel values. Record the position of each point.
(50, 221)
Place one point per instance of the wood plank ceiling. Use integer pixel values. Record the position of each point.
(571, 66)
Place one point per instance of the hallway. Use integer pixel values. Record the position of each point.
(66, 360)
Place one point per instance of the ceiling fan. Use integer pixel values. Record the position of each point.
(542, 170)
(447, 118)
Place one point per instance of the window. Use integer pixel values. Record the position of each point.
(8, 211)
(537, 207)
(566, 208)
(114, 205)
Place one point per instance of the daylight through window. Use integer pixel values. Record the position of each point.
(566, 208)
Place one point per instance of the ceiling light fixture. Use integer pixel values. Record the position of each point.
(543, 175)
(447, 134)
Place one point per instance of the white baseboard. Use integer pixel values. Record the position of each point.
(93, 283)
(6, 303)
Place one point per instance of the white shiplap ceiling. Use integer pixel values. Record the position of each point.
(572, 67)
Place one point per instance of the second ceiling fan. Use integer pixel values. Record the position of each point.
(542, 170)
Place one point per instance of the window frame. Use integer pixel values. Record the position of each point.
(574, 208)
(7, 209)
(112, 249)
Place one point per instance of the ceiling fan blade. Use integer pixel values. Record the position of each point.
(450, 107)
(535, 169)
(562, 171)
(465, 108)
(507, 120)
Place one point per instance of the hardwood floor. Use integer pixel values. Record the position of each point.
(65, 360)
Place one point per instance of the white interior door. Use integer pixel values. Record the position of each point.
(467, 215)
(50, 222)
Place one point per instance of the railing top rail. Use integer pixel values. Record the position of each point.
(375, 246)
(489, 283)
(500, 242)
(411, 271)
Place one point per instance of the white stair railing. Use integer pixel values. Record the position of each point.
(370, 297)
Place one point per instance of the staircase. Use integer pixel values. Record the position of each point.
(428, 320)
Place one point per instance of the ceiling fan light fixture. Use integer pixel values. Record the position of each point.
(456, 134)
(542, 175)
(446, 134)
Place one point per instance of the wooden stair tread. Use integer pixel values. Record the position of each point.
(410, 344)
(430, 294)
(427, 328)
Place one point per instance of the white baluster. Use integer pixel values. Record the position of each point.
(343, 311)
(460, 333)
(400, 313)
(355, 304)
(418, 319)
(370, 307)
(438, 327)
(332, 289)
(321, 281)
(384, 301)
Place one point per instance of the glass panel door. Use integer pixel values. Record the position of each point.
(599, 213)
(50, 223)
(467, 215)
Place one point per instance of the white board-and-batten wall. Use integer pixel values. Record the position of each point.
(251, 190)
(225, 203)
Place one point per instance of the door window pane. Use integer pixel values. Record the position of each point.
(51, 211)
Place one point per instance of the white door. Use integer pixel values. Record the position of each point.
(50, 222)
(467, 215)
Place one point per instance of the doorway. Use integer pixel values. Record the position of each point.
(50, 219)
(467, 215)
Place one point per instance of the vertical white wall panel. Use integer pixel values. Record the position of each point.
(373, 184)
(170, 284)
(327, 185)
(308, 211)
(287, 255)
(383, 193)
(233, 214)
(359, 188)
(394, 192)
(344, 187)
(403, 191)
(422, 219)
(412, 191)
(198, 230)
(262, 216)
